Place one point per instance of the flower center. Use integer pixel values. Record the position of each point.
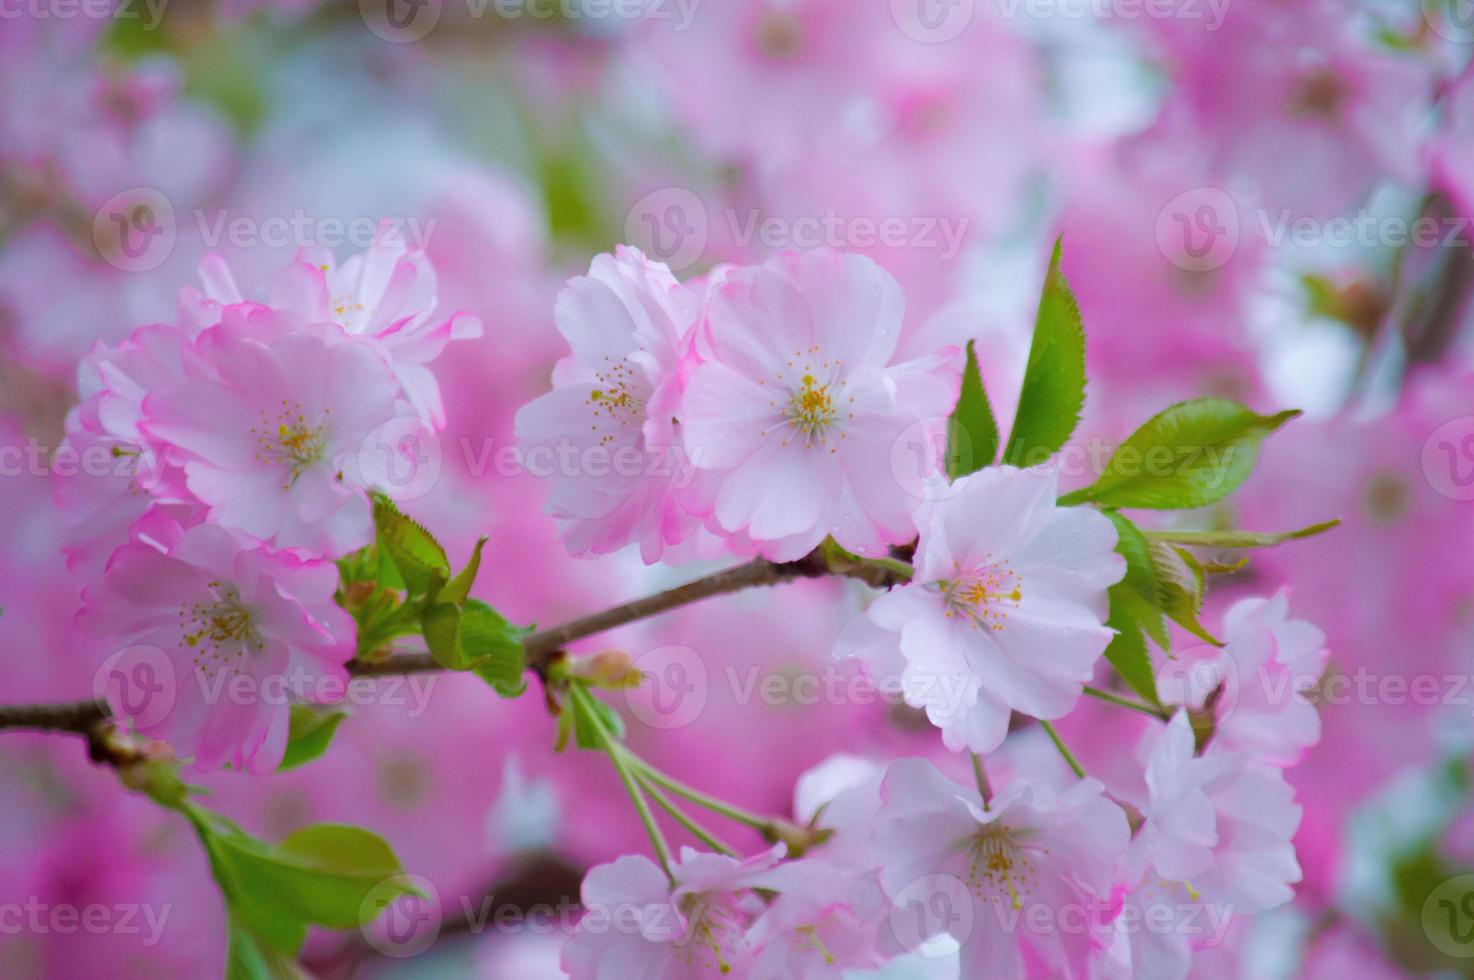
(817, 404)
(289, 441)
(997, 866)
(713, 931)
(984, 595)
(219, 629)
(778, 35)
(617, 402)
(1319, 93)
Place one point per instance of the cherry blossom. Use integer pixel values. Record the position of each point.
(1023, 878)
(610, 422)
(714, 921)
(239, 625)
(1005, 612)
(797, 405)
(270, 419)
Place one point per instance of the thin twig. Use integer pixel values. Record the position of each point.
(91, 718)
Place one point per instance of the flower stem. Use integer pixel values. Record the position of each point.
(719, 807)
(985, 788)
(681, 817)
(622, 765)
(1059, 743)
(1121, 702)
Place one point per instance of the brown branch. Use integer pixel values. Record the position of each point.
(91, 719)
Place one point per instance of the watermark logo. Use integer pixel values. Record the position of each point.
(917, 455)
(138, 683)
(400, 925)
(402, 457)
(1448, 459)
(135, 230)
(675, 688)
(1198, 230)
(669, 225)
(1448, 917)
(1452, 20)
(929, 907)
(933, 21)
(400, 21)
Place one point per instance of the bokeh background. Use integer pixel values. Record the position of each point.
(1266, 199)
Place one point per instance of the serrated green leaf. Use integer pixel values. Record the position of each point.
(441, 625)
(1240, 539)
(458, 588)
(1127, 651)
(1053, 393)
(494, 648)
(1182, 580)
(310, 735)
(972, 433)
(1191, 455)
(419, 558)
(1138, 594)
(320, 875)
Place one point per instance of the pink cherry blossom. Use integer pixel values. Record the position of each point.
(121, 471)
(1266, 666)
(1022, 879)
(387, 293)
(270, 420)
(797, 405)
(238, 626)
(713, 921)
(608, 425)
(1005, 612)
(1214, 847)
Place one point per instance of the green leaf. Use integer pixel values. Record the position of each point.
(248, 958)
(1053, 393)
(1138, 594)
(458, 588)
(1191, 455)
(441, 624)
(494, 647)
(321, 874)
(1182, 581)
(972, 435)
(1127, 651)
(585, 728)
(419, 558)
(1240, 539)
(310, 735)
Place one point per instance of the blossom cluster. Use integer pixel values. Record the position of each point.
(248, 436)
(776, 382)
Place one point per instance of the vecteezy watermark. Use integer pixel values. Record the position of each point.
(142, 683)
(402, 457)
(147, 12)
(37, 917)
(572, 460)
(397, 924)
(1198, 230)
(1452, 20)
(1448, 917)
(136, 230)
(674, 225)
(941, 234)
(670, 225)
(68, 460)
(933, 21)
(1210, 12)
(675, 688)
(1201, 229)
(1448, 459)
(405, 21)
(1362, 229)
